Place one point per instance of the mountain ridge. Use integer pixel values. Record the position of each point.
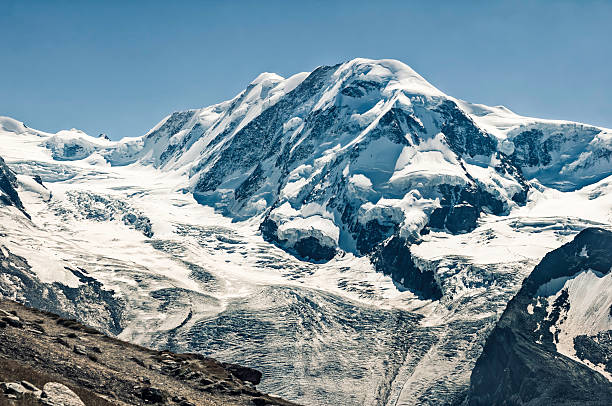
(272, 151)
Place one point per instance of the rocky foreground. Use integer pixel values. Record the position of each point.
(48, 360)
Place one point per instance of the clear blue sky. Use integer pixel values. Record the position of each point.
(121, 66)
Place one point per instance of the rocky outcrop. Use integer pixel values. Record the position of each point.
(77, 365)
(393, 258)
(521, 363)
(308, 247)
(88, 301)
(8, 186)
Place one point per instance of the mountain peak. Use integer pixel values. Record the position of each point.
(267, 77)
(393, 73)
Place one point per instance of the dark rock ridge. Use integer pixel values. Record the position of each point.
(596, 349)
(393, 258)
(8, 186)
(520, 364)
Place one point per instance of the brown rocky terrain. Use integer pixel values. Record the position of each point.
(48, 360)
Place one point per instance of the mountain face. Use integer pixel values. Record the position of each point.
(552, 344)
(353, 204)
(361, 157)
(347, 158)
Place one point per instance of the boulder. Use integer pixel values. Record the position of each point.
(12, 321)
(244, 373)
(13, 388)
(29, 386)
(152, 395)
(57, 394)
(80, 349)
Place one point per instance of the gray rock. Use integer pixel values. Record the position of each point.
(8, 188)
(13, 388)
(56, 394)
(12, 321)
(244, 373)
(80, 349)
(152, 395)
(29, 386)
(62, 341)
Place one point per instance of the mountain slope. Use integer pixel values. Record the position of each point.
(41, 347)
(552, 345)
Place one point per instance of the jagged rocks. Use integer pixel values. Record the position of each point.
(89, 300)
(12, 321)
(596, 349)
(394, 258)
(79, 349)
(460, 208)
(23, 390)
(152, 395)
(15, 389)
(8, 186)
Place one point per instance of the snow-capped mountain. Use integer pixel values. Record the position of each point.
(260, 229)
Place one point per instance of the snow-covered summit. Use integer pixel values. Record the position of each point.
(394, 74)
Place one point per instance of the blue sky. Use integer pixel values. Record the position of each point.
(121, 66)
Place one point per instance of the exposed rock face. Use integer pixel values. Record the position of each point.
(244, 373)
(89, 301)
(566, 156)
(596, 349)
(308, 248)
(523, 360)
(8, 186)
(394, 258)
